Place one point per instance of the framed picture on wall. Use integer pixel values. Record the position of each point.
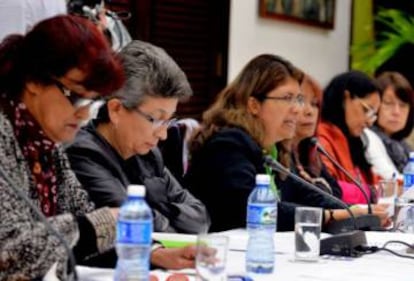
(320, 13)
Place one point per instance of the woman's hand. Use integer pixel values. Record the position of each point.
(174, 258)
(114, 212)
(379, 210)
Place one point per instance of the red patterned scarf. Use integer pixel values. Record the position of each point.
(37, 149)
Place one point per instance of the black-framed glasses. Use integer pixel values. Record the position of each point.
(156, 123)
(290, 99)
(370, 113)
(75, 99)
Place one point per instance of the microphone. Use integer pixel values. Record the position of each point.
(43, 219)
(276, 166)
(319, 147)
(363, 222)
(350, 239)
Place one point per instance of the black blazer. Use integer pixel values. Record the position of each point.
(105, 175)
(222, 175)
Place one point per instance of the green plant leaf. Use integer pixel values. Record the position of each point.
(400, 30)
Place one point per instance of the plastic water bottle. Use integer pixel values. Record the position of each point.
(409, 173)
(261, 226)
(133, 237)
(409, 220)
(406, 200)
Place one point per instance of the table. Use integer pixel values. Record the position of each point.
(375, 267)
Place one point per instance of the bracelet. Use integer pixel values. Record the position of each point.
(331, 216)
(155, 246)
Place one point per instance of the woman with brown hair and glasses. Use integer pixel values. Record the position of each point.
(387, 150)
(259, 108)
(350, 104)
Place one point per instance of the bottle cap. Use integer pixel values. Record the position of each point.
(136, 190)
(262, 179)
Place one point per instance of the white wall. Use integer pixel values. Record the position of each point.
(321, 53)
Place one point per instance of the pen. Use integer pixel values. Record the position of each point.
(239, 278)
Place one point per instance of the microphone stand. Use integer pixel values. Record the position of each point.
(43, 219)
(347, 243)
(276, 166)
(315, 142)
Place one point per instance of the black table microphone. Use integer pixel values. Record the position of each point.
(348, 239)
(319, 147)
(276, 166)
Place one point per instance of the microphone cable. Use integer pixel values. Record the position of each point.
(367, 250)
(43, 219)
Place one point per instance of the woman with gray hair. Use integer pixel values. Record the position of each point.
(119, 147)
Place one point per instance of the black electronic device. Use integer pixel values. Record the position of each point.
(347, 244)
(351, 239)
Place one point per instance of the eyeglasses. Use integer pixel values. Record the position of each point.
(392, 104)
(370, 113)
(75, 99)
(156, 123)
(290, 99)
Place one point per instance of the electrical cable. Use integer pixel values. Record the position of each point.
(367, 250)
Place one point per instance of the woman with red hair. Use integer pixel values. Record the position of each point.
(301, 154)
(48, 78)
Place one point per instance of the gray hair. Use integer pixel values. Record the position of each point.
(150, 71)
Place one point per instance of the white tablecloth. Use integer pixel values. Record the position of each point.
(375, 267)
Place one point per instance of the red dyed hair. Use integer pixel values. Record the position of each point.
(306, 150)
(316, 88)
(308, 155)
(52, 48)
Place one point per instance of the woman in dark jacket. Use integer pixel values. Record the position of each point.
(256, 110)
(120, 146)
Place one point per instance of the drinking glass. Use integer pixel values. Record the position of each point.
(387, 194)
(307, 233)
(211, 257)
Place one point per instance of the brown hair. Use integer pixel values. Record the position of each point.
(260, 76)
(404, 92)
(315, 86)
(308, 156)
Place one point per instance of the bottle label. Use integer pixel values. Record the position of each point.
(408, 180)
(261, 214)
(131, 232)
